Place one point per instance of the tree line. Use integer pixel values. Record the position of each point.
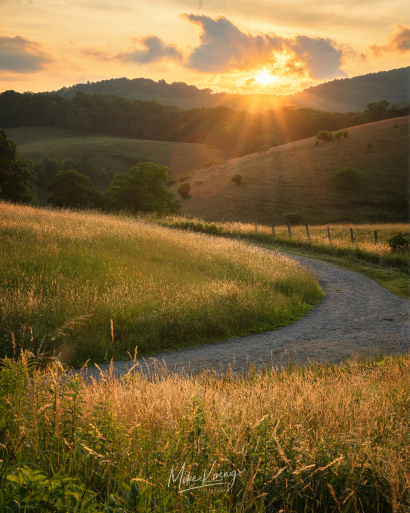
(234, 133)
(142, 188)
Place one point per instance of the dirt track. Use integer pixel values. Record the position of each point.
(356, 316)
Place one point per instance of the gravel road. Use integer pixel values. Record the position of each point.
(356, 316)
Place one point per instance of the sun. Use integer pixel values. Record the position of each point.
(264, 78)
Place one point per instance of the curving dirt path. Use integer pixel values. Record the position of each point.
(356, 316)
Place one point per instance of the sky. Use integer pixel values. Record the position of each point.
(241, 46)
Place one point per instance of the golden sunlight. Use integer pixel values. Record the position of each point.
(264, 78)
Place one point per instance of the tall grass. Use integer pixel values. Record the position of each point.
(113, 283)
(340, 244)
(318, 438)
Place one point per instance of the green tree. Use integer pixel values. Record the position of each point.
(72, 189)
(16, 178)
(324, 135)
(142, 188)
(261, 142)
(376, 111)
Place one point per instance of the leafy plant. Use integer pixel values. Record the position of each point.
(324, 135)
(399, 243)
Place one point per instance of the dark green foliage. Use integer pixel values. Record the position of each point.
(399, 243)
(324, 135)
(262, 143)
(16, 178)
(351, 94)
(237, 178)
(142, 189)
(348, 178)
(377, 111)
(341, 133)
(71, 189)
(234, 133)
(47, 168)
(184, 189)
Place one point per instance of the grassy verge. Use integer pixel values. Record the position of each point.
(92, 286)
(391, 270)
(317, 439)
(391, 278)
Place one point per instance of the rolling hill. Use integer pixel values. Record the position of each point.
(342, 95)
(116, 154)
(297, 178)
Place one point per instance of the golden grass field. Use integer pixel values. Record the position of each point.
(159, 288)
(340, 237)
(297, 177)
(318, 438)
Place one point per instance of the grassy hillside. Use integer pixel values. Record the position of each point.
(297, 178)
(116, 154)
(110, 284)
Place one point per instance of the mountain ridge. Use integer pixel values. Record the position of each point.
(339, 95)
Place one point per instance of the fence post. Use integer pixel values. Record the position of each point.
(273, 227)
(307, 231)
(328, 234)
(290, 233)
(376, 239)
(351, 235)
(256, 225)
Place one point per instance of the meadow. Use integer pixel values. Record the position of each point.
(114, 154)
(390, 268)
(90, 286)
(318, 438)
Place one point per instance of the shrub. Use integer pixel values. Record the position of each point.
(399, 243)
(237, 178)
(348, 178)
(184, 189)
(324, 135)
(341, 133)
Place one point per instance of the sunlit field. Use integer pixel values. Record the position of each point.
(319, 438)
(340, 243)
(94, 286)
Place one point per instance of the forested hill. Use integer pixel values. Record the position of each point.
(234, 133)
(349, 94)
(355, 93)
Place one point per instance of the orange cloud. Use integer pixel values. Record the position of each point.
(399, 42)
(224, 48)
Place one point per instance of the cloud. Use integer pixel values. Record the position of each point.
(154, 50)
(319, 55)
(20, 55)
(224, 48)
(399, 42)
